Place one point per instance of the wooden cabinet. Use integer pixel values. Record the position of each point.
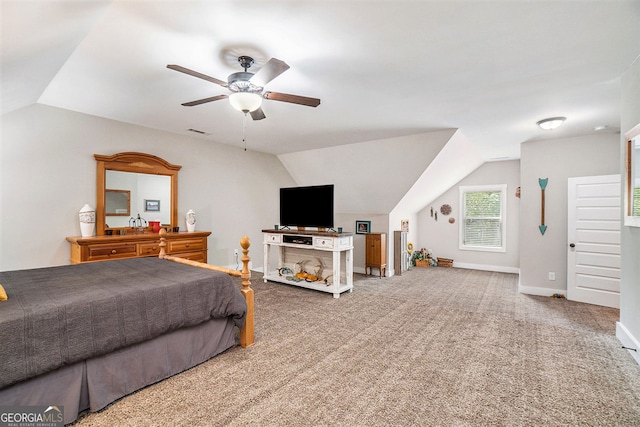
(191, 246)
(376, 253)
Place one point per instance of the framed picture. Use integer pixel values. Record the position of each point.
(152, 205)
(363, 227)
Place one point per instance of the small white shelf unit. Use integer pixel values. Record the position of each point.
(332, 250)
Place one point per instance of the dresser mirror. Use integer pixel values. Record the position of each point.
(149, 183)
(632, 178)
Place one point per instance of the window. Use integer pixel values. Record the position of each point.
(483, 224)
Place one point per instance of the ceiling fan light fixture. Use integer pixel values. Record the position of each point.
(246, 102)
(551, 123)
(247, 88)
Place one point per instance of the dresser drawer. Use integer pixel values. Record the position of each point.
(273, 238)
(193, 256)
(323, 242)
(175, 246)
(103, 252)
(149, 249)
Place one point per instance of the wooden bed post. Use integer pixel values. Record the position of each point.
(163, 243)
(247, 333)
(247, 337)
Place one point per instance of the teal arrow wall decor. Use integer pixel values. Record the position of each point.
(543, 186)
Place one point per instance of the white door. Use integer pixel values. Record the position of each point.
(593, 270)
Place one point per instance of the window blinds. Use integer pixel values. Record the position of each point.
(483, 218)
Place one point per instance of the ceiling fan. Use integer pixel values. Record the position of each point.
(247, 89)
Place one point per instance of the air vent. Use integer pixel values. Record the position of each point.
(201, 132)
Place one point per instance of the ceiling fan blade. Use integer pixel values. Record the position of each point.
(205, 100)
(269, 71)
(197, 74)
(294, 99)
(258, 114)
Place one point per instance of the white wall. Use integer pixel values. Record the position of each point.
(379, 224)
(442, 237)
(369, 176)
(556, 160)
(628, 330)
(47, 173)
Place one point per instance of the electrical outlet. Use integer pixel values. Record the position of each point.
(235, 252)
(552, 275)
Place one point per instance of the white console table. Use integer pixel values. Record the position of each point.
(332, 250)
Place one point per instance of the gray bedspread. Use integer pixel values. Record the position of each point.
(60, 315)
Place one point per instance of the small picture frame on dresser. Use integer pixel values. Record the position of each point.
(363, 227)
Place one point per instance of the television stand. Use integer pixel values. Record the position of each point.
(329, 255)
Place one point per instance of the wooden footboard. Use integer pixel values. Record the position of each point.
(247, 333)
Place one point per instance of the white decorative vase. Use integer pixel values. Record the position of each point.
(87, 217)
(191, 221)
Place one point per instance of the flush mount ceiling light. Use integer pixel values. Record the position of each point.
(246, 102)
(551, 123)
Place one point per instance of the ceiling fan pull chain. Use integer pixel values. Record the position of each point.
(244, 127)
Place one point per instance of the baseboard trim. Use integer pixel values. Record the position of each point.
(484, 267)
(359, 270)
(496, 268)
(629, 341)
(543, 292)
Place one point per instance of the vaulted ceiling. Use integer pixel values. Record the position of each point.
(381, 68)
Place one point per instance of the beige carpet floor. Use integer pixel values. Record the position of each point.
(433, 347)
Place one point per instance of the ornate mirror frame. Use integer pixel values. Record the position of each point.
(632, 165)
(136, 163)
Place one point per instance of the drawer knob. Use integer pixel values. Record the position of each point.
(187, 245)
(113, 251)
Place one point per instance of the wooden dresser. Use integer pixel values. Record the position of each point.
(376, 247)
(191, 246)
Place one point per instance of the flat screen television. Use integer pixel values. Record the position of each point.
(307, 206)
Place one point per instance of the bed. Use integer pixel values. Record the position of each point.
(82, 336)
